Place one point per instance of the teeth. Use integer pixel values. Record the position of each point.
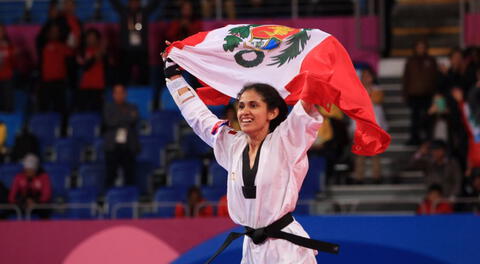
(247, 120)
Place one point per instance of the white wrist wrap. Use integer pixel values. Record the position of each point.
(177, 84)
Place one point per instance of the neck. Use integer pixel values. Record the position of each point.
(255, 140)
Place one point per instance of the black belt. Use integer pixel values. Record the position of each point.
(259, 236)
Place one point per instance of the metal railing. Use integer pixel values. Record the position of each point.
(12, 207)
(344, 206)
(94, 208)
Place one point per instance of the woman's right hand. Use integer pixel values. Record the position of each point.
(170, 68)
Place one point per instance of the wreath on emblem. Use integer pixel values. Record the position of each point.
(295, 45)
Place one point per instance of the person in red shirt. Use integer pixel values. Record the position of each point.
(31, 186)
(52, 93)
(92, 83)
(187, 24)
(195, 206)
(6, 71)
(222, 207)
(434, 202)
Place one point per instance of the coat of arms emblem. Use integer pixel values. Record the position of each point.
(258, 39)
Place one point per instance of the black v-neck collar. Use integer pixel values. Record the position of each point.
(248, 174)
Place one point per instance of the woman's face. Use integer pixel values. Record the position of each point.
(367, 77)
(253, 114)
(421, 48)
(456, 59)
(92, 40)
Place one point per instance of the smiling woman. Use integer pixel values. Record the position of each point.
(266, 163)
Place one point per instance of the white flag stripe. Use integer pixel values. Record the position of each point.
(218, 69)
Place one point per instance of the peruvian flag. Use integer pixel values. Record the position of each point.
(306, 64)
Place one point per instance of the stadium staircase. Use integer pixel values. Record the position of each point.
(402, 188)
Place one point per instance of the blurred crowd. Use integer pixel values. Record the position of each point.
(76, 65)
(444, 118)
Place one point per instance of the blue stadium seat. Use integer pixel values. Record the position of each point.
(213, 194)
(167, 195)
(314, 180)
(92, 176)
(142, 97)
(40, 11)
(152, 149)
(85, 126)
(81, 196)
(116, 196)
(59, 177)
(218, 176)
(21, 101)
(11, 12)
(84, 9)
(193, 146)
(8, 173)
(98, 150)
(166, 101)
(46, 127)
(13, 122)
(185, 173)
(164, 124)
(68, 151)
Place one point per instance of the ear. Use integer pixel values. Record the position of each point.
(273, 114)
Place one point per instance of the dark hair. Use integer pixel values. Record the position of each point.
(419, 41)
(85, 34)
(438, 144)
(194, 189)
(370, 70)
(435, 187)
(273, 100)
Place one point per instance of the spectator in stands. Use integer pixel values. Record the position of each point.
(472, 63)
(93, 62)
(439, 116)
(434, 202)
(209, 9)
(453, 76)
(231, 116)
(195, 206)
(134, 38)
(54, 17)
(470, 117)
(419, 85)
(120, 119)
(439, 168)
(30, 187)
(52, 91)
(368, 79)
(3, 200)
(472, 191)
(6, 72)
(187, 24)
(332, 139)
(222, 207)
(73, 40)
(3, 137)
(74, 24)
(25, 143)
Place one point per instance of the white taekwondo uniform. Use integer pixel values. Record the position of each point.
(282, 167)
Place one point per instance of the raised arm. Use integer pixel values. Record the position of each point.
(195, 112)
